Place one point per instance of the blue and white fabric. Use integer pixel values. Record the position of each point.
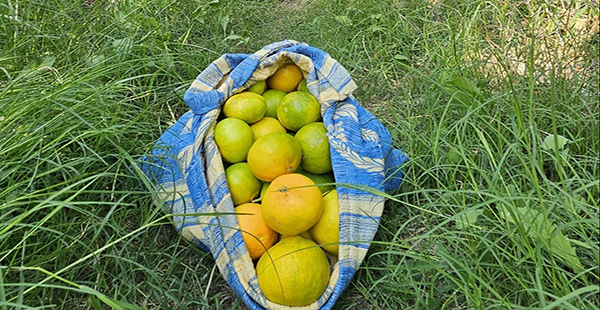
(189, 178)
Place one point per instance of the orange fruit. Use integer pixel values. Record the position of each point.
(297, 109)
(285, 78)
(273, 98)
(293, 272)
(258, 237)
(274, 154)
(265, 126)
(292, 204)
(247, 106)
(315, 148)
(243, 185)
(326, 231)
(234, 138)
(258, 87)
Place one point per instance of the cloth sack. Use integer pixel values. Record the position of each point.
(189, 178)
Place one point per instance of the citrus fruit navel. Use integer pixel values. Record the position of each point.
(292, 204)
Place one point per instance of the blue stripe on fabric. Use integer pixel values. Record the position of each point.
(359, 245)
(338, 76)
(190, 224)
(219, 188)
(180, 199)
(361, 216)
(201, 103)
(344, 84)
(213, 66)
(197, 242)
(234, 245)
(211, 76)
(213, 237)
(233, 60)
(348, 266)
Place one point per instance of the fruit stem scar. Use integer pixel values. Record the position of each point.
(283, 189)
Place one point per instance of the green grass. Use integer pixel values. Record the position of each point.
(488, 216)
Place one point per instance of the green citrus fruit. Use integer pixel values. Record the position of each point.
(297, 109)
(273, 98)
(302, 86)
(247, 106)
(243, 185)
(263, 189)
(315, 148)
(305, 234)
(258, 87)
(234, 138)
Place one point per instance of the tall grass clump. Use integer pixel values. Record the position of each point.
(494, 102)
(80, 103)
(499, 206)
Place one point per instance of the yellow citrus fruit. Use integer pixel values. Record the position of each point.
(234, 138)
(258, 237)
(293, 272)
(292, 204)
(273, 98)
(285, 78)
(274, 154)
(265, 126)
(243, 185)
(315, 148)
(297, 109)
(305, 234)
(327, 230)
(323, 180)
(258, 87)
(247, 106)
(302, 86)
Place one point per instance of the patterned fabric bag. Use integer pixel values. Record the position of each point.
(188, 173)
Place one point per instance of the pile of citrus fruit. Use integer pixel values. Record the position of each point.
(278, 169)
